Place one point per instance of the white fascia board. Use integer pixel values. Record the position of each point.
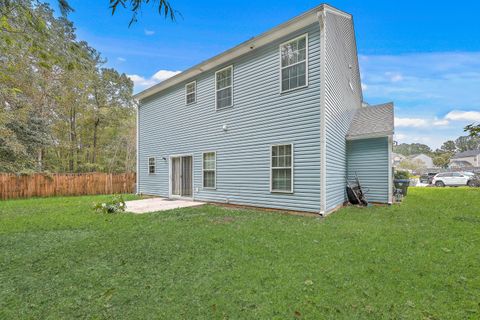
(370, 136)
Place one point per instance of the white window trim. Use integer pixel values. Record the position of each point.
(306, 63)
(291, 171)
(215, 170)
(195, 92)
(154, 165)
(231, 86)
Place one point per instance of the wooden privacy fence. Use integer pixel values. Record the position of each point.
(63, 184)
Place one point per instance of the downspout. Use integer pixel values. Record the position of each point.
(390, 170)
(138, 151)
(321, 15)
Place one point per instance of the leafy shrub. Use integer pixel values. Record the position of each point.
(402, 174)
(114, 205)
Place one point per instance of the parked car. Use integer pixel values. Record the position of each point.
(469, 174)
(428, 177)
(474, 181)
(450, 179)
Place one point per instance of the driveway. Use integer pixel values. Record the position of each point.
(158, 204)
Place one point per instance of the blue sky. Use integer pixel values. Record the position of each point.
(423, 55)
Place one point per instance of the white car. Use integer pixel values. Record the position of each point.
(450, 179)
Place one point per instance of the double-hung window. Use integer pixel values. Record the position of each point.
(224, 88)
(281, 175)
(151, 165)
(191, 92)
(209, 170)
(294, 66)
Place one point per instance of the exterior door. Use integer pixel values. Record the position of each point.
(182, 174)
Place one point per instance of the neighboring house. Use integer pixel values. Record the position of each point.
(470, 158)
(397, 158)
(275, 122)
(459, 164)
(427, 161)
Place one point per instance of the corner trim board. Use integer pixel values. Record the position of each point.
(323, 139)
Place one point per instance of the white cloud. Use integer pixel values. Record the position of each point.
(400, 136)
(164, 74)
(434, 80)
(410, 122)
(394, 76)
(121, 59)
(425, 87)
(440, 122)
(364, 86)
(149, 32)
(457, 115)
(424, 139)
(142, 82)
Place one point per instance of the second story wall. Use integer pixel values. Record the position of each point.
(343, 96)
(261, 116)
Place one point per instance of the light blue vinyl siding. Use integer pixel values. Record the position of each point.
(368, 158)
(340, 102)
(260, 117)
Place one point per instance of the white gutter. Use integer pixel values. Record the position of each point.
(370, 135)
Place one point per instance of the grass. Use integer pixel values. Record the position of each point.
(419, 260)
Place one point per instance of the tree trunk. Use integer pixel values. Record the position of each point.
(95, 138)
(73, 140)
(40, 160)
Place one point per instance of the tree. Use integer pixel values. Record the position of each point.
(60, 110)
(112, 95)
(442, 160)
(135, 6)
(465, 143)
(414, 165)
(449, 146)
(407, 149)
(473, 130)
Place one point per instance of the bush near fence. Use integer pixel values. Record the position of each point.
(14, 186)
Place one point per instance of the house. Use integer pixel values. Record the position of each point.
(423, 159)
(470, 158)
(397, 158)
(274, 122)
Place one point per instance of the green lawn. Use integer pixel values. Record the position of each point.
(419, 260)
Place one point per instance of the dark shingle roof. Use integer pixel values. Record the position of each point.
(468, 153)
(372, 121)
(460, 163)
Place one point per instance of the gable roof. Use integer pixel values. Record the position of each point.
(460, 163)
(374, 121)
(468, 153)
(263, 39)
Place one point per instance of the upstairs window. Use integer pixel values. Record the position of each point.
(151, 165)
(224, 88)
(209, 170)
(294, 66)
(191, 92)
(281, 174)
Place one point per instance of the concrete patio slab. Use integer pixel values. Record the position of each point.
(158, 204)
